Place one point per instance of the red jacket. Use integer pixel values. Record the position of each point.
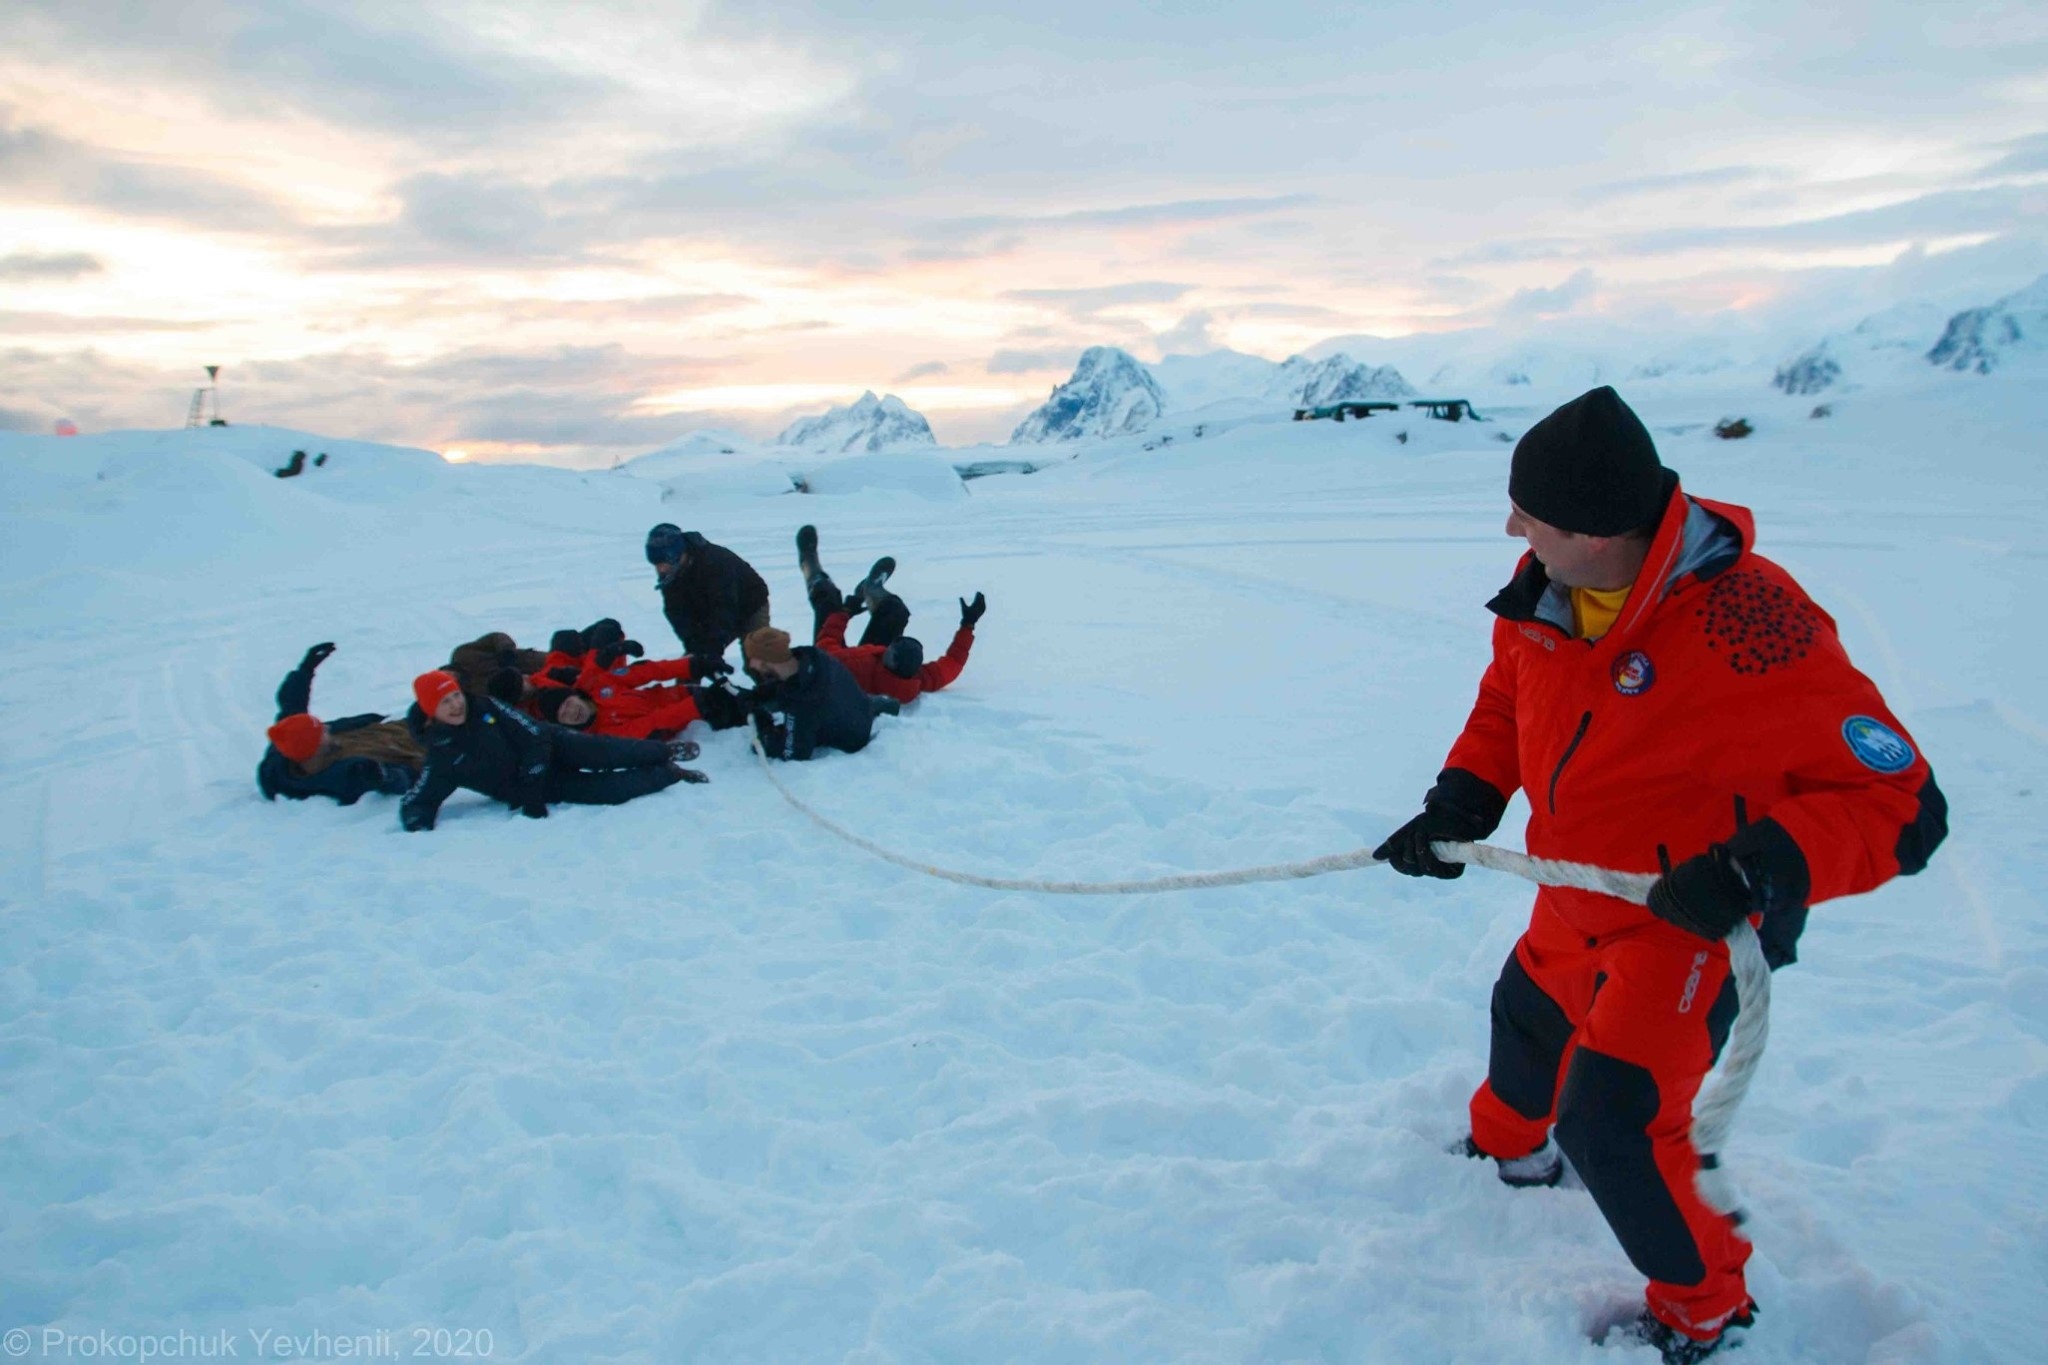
(1721, 688)
(632, 701)
(865, 662)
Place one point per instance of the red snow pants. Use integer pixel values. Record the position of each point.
(1608, 1039)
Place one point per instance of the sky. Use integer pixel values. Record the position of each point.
(574, 233)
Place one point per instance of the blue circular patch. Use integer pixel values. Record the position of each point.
(1876, 745)
(1633, 673)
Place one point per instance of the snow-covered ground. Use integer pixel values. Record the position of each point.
(687, 1080)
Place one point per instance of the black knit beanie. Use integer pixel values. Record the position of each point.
(1589, 467)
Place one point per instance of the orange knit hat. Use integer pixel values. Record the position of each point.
(298, 737)
(430, 689)
(768, 646)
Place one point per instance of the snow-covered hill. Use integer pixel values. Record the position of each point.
(691, 1079)
(864, 426)
(1109, 394)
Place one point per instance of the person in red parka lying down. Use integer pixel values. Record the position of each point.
(597, 682)
(886, 662)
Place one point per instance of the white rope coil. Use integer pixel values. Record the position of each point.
(1713, 1110)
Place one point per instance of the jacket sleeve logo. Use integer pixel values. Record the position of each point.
(1876, 745)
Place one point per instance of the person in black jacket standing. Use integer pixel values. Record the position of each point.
(345, 759)
(506, 754)
(710, 595)
(806, 699)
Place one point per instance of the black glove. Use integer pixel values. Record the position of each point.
(683, 750)
(1708, 895)
(603, 632)
(632, 649)
(970, 612)
(317, 655)
(1460, 808)
(691, 775)
(568, 642)
(565, 676)
(706, 666)
(534, 810)
(609, 654)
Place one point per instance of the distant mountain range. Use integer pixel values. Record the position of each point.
(865, 425)
(1904, 339)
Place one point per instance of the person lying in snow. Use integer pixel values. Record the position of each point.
(498, 750)
(886, 662)
(608, 690)
(710, 595)
(340, 758)
(805, 698)
(481, 664)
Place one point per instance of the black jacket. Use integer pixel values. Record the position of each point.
(499, 751)
(711, 597)
(821, 705)
(347, 780)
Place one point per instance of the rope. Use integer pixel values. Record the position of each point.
(1713, 1113)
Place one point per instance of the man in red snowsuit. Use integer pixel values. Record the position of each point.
(886, 662)
(1669, 701)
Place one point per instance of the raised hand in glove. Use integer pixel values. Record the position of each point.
(1707, 895)
(706, 666)
(970, 612)
(1460, 808)
(317, 655)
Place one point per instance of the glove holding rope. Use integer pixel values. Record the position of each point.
(1461, 808)
(1759, 870)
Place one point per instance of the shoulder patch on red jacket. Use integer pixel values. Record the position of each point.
(1757, 624)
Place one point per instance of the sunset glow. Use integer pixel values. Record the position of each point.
(576, 234)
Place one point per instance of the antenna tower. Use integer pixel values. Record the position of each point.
(202, 399)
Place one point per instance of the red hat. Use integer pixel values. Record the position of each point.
(298, 737)
(431, 689)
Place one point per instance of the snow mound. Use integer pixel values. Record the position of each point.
(1110, 394)
(1979, 340)
(927, 475)
(867, 424)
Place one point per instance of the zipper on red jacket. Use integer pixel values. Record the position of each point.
(1569, 750)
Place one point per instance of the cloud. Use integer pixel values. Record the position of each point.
(55, 265)
(929, 370)
(1562, 298)
(1189, 336)
(1086, 303)
(1033, 362)
(1943, 213)
(2026, 156)
(39, 166)
(1720, 177)
(89, 324)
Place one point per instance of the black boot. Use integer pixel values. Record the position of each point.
(1541, 1169)
(1675, 1346)
(807, 555)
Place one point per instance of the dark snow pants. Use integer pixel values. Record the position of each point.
(1609, 1039)
(886, 623)
(603, 770)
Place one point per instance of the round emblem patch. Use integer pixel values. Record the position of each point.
(1633, 673)
(1876, 745)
